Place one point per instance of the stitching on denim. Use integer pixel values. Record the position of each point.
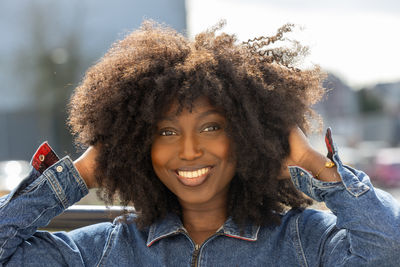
(5, 201)
(326, 185)
(5, 242)
(23, 228)
(298, 236)
(57, 189)
(151, 234)
(162, 236)
(107, 247)
(342, 238)
(200, 259)
(32, 186)
(40, 215)
(355, 190)
(75, 174)
(312, 182)
(252, 237)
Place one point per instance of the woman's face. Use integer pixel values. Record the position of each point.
(191, 154)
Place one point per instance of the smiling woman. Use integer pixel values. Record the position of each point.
(205, 138)
(154, 74)
(192, 157)
(196, 147)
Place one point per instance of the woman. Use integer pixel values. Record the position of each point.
(205, 139)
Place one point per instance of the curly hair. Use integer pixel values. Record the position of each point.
(260, 92)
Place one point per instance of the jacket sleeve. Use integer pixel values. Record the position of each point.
(32, 205)
(363, 228)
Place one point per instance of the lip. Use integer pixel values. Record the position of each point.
(192, 182)
(193, 167)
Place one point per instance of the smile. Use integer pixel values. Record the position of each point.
(194, 174)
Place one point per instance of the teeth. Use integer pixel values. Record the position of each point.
(193, 174)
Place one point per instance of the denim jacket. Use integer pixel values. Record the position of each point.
(362, 229)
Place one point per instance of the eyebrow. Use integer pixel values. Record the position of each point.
(200, 116)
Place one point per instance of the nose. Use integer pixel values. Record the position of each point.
(190, 149)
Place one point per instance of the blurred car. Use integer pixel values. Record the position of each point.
(387, 167)
(12, 172)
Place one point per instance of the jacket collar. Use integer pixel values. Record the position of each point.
(172, 225)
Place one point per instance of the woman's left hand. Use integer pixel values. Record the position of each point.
(302, 154)
(300, 148)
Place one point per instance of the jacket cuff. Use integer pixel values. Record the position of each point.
(64, 180)
(351, 180)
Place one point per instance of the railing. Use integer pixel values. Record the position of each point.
(82, 215)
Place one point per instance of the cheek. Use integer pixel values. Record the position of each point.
(222, 148)
(159, 156)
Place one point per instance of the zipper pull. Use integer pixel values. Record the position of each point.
(195, 255)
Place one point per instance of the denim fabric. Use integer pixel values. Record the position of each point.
(363, 229)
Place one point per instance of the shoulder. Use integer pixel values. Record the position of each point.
(307, 224)
(308, 215)
(95, 241)
(313, 229)
(310, 230)
(304, 222)
(100, 232)
(96, 233)
(317, 221)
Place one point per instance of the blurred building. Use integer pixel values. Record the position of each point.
(339, 107)
(387, 120)
(368, 114)
(45, 48)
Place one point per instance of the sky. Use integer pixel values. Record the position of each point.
(358, 41)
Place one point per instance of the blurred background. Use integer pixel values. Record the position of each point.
(46, 46)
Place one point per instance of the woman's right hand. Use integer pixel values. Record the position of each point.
(86, 165)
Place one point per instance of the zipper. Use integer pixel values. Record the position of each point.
(195, 255)
(196, 251)
(197, 247)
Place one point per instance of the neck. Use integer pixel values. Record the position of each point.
(202, 220)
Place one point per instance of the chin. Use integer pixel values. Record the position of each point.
(192, 198)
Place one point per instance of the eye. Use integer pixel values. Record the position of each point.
(167, 133)
(211, 128)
